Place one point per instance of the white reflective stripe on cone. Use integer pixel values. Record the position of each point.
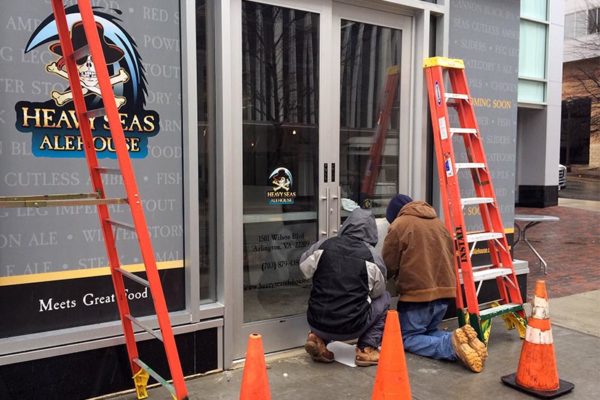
(540, 309)
(537, 336)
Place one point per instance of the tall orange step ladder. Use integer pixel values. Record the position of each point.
(501, 268)
(140, 370)
(367, 188)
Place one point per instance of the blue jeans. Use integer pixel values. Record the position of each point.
(371, 333)
(419, 324)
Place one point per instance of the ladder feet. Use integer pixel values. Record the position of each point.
(514, 320)
(141, 382)
(479, 326)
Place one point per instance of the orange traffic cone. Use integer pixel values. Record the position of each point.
(255, 382)
(391, 380)
(537, 374)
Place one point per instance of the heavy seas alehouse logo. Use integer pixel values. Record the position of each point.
(53, 123)
(282, 193)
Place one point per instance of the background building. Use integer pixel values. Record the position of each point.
(540, 84)
(226, 103)
(580, 140)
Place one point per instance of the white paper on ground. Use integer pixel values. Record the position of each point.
(344, 353)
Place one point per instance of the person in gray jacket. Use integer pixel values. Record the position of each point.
(348, 298)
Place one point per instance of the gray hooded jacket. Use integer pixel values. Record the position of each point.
(347, 273)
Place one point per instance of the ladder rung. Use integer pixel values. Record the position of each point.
(96, 112)
(133, 277)
(469, 201)
(480, 272)
(491, 273)
(81, 52)
(122, 225)
(492, 312)
(156, 376)
(469, 165)
(481, 267)
(65, 196)
(108, 171)
(58, 200)
(152, 332)
(471, 131)
(474, 269)
(459, 96)
(480, 237)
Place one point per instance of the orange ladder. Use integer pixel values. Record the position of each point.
(141, 371)
(501, 268)
(367, 188)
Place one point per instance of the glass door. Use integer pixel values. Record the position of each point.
(281, 182)
(374, 95)
(313, 76)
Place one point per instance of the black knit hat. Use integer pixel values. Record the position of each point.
(396, 204)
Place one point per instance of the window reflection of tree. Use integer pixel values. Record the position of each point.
(367, 51)
(206, 150)
(280, 96)
(280, 65)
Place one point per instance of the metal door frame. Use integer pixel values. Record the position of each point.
(412, 17)
(285, 332)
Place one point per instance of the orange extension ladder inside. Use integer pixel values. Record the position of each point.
(367, 188)
(140, 370)
(501, 268)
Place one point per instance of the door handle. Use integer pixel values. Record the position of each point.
(325, 199)
(334, 211)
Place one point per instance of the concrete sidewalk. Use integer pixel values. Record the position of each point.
(293, 376)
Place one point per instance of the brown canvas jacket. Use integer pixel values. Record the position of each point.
(418, 251)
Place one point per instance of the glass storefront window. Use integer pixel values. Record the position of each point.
(532, 52)
(370, 55)
(536, 9)
(280, 145)
(531, 91)
(206, 149)
(54, 270)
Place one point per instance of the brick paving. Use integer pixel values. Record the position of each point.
(571, 247)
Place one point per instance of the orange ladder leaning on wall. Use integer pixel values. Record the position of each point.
(501, 268)
(140, 370)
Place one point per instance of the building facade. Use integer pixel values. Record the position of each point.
(580, 140)
(540, 85)
(250, 125)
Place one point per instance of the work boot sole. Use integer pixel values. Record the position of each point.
(475, 343)
(363, 363)
(312, 348)
(466, 354)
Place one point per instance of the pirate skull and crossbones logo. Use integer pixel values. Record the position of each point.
(85, 67)
(281, 183)
(281, 180)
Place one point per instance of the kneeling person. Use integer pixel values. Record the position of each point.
(348, 299)
(419, 252)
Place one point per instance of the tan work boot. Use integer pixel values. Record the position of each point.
(366, 357)
(465, 353)
(474, 342)
(315, 346)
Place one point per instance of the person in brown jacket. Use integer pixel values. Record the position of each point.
(419, 253)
